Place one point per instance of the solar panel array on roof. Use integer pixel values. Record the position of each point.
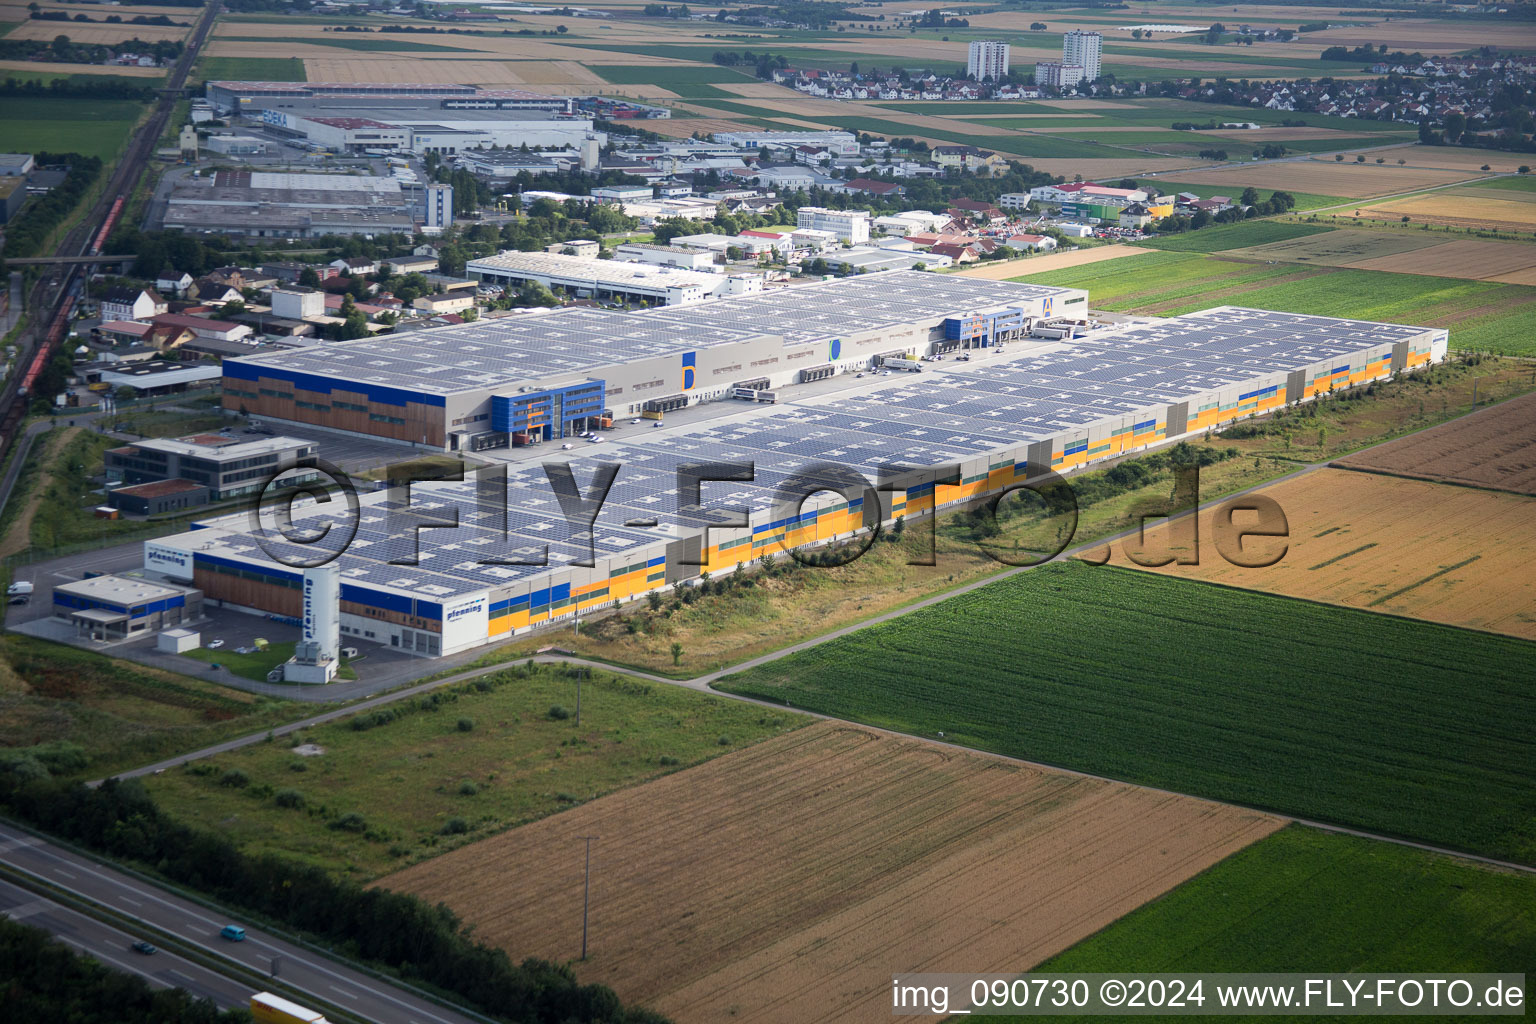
(960, 412)
(495, 353)
(852, 305)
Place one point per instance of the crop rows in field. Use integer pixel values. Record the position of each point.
(1302, 708)
(871, 850)
(1331, 902)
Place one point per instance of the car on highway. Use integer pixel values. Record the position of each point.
(143, 947)
(232, 932)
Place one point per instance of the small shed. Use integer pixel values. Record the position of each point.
(179, 641)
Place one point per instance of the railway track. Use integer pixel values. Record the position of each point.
(58, 292)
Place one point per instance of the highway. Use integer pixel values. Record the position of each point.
(325, 980)
(110, 945)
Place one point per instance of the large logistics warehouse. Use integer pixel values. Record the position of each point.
(982, 426)
(437, 388)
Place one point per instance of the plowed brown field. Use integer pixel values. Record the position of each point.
(1426, 550)
(787, 881)
(1494, 448)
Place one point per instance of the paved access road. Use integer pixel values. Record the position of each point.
(110, 945)
(352, 990)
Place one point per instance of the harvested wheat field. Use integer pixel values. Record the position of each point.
(1327, 178)
(1387, 544)
(683, 127)
(1458, 209)
(1412, 34)
(1456, 158)
(80, 32)
(43, 67)
(788, 880)
(1007, 270)
(1479, 260)
(1493, 448)
(403, 71)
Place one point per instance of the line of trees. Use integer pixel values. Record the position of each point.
(47, 981)
(66, 51)
(25, 235)
(107, 88)
(423, 944)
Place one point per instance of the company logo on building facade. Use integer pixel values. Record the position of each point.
(834, 349)
(309, 607)
(1045, 306)
(690, 372)
(166, 557)
(475, 607)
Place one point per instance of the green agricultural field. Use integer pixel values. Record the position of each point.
(1235, 236)
(1306, 899)
(689, 82)
(1524, 183)
(1305, 709)
(89, 126)
(486, 756)
(1304, 200)
(620, 74)
(1488, 316)
(250, 69)
(56, 699)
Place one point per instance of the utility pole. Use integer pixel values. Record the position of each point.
(586, 890)
(579, 673)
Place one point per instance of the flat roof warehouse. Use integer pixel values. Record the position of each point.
(1061, 404)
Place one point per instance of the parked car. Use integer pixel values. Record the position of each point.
(22, 599)
(214, 645)
(567, 446)
(143, 947)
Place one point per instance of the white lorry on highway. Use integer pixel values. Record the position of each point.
(270, 1009)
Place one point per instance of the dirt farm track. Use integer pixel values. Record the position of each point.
(787, 881)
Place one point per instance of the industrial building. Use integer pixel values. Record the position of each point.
(446, 133)
(268, 204)
(851, 226)
(119, 607)
(243, 97)
(840, 143)
(439, 388)
(683, 257)
(586, 277)
(228, 466)
(898, 445)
